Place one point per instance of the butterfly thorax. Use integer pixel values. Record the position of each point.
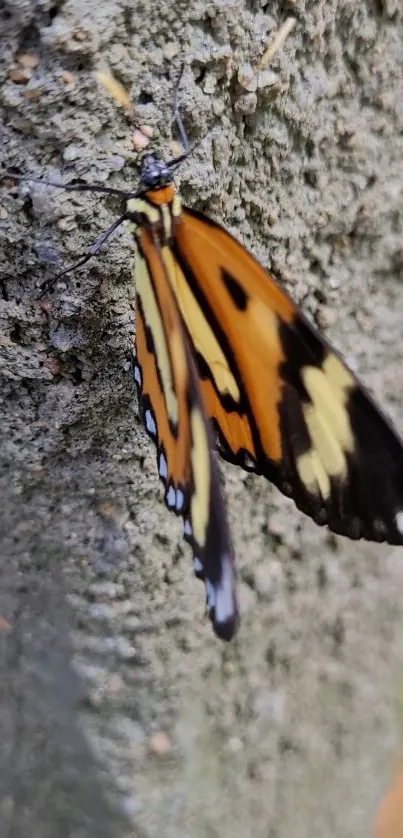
(158, 209)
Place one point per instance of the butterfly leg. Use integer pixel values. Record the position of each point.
(92, 251)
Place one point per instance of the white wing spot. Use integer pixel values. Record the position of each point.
(163, 468)
(179, 499)
(187, 528)
(150, 424)
(210, 594)
(224, 593)
(137, 375)
(197, 565)
(171, 497)
(399, 521)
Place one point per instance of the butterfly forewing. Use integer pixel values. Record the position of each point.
(282, 401)
(174, 416)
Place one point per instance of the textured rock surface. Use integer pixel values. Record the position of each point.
(119, 711)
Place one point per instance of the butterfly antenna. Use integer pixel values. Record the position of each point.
(179, 122)
(177, 114)
(92, 251)
(69, 187)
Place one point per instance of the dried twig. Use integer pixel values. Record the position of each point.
(115, 89)
(277, 42)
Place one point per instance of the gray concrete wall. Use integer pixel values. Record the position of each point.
(120, 713)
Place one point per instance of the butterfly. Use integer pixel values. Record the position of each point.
(224, 359)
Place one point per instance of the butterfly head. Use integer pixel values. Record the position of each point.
(155, 173)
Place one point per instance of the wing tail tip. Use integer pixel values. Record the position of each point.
(221, 600)
(225, 629)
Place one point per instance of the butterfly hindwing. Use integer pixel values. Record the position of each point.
(174, 417)
(282, 401)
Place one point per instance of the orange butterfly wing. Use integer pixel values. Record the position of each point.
(173, 414)
(283, 403)
(389, 816)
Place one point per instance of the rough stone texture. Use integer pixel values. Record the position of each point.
(120, 713)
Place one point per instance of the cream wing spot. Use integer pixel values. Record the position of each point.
(176, 206)
(329, 395)
(203, 337)
(166, 220)
(200, 456)
(312, 474)
(339, 376)
(325, 443)
(187, 528)
(328, 425)
(154, 323)
(141, 207)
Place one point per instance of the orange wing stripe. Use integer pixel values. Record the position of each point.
(234, 427)
(177, 455)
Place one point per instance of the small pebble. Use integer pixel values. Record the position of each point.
(27, 60)
(176, 148)
(67, 77)
(108, 510)
(52, 364)
(139, 140)
(326, 317)
(266, 78)
(33, 93)
(45, 306)
(247, 78)
(247, 103)
(115, 684)
(4, 625)
(160, 744)
(210, 84)
(66, 224)
(10, 97)
(170, 50)
(72, 152)
(147, 130)
(235, 745)
(19, 76)
(80, 35)
(105, 590)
